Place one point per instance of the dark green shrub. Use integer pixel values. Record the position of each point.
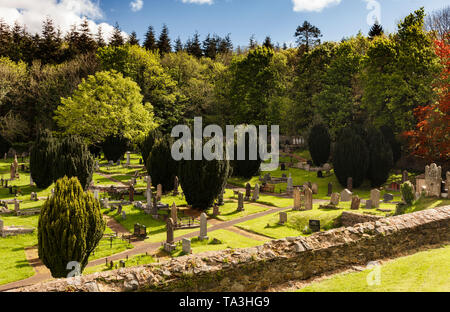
(42, 158)
(147, 145)
(319, 143)
(381, 160)
(115, 147)
(407, 190)
(95, 150)
(350, 158)
(70, 227)
(73, 159)
(246, 168)
(202, 181)
(4, 146)
(160, 164)
(389, 137)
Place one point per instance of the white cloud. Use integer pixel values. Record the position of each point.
(313, 5)
(136, 5)
(199, 1)
(64, 14)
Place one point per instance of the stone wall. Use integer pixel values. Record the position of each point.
(349, 218)
(258, 268)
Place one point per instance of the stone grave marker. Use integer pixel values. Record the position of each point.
(283, 218)
(159, 191)
(356, 202)
(176, 185)
(346, 195)
(203, 227)
(124, 215)
(433, 179)
(319, 174)
(297, 199)
(248, 191)
(131, 193)
(240, 202)
(128, 159)
(375, 198)
(174, 213)
(308, 199)
(388, 198)
(186, 243)
(335, 199)
(350, 184)
(330, 189)
(169, 246)
(290, 185)
(314, 225)
(368, 204)
(16, 206)
(315, 188)
(256, 193)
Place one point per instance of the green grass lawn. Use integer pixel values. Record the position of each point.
(131, 262)
(426, 271)
(229, 211)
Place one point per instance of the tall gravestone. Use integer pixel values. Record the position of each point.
(308, 199)
(433, 179)
(283, 218)
(330, 189)
(149, 194)
(203, 227)
(128, 159)
(186, 243)
(356, 202)
(176, 185)
(240, 202)
(169, 246)
(174, 214)
(248, 191)
(290, 185)
(12, 172)
(375, 198)
(315, 188)
(297, 199)
(159, 191)
(350, 184)
(256, 193)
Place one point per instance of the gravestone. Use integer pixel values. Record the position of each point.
(369, 204)
(216, 211)
(297, 199)
(315, 188)
(308, 199)
(433, 179)
(404, 176)
(388, 198)
(148, 193)
(327, 168)
(31, 181)
(256, 193)
(346, 195)
(283, 218)
(176, 185)
(240, 202)
(330, 189)
(131, 193)
(169, 245)
(96, 194)
(159, 191)
(174, 213)
(124, 215)
(290, 185)
(314, 225)
(203, 227)
(16, 206)
(128, 159)
(356, 202)
(34, 196)
(186, 243)
(447, 183)
(375, 198)
(154, 210)
(350, 184)
(335, 199)
(12, 172)
(248, 191)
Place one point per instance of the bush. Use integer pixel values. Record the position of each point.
(42, 158)
(246, 168)
(147, 145)
(408, 194)
(95, 150)
(396, 147)
(160, 164)
(202, 181)
(350, 158)
(70, 227)
(115, 147)
(381, 160)
(4, 146)
(319, 143)
(73, 159)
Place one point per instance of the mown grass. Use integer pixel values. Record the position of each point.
(426, 271)
(229, 211)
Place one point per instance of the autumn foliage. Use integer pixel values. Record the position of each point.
(431, 138)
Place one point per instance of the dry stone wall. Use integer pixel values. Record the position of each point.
(257, 269)
(349, 218)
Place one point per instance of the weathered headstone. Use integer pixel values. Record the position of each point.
(330, 189)
(335, 199)
(297, 199)
(174, 213)
(290, 185)
(240, 202)
(12, 171)
(128, 159)
(350, 184)
(433, 179)
(315, 188)
(203, 227)
(369, 204)
(375, 198)
(388, 198)
(356, 202)
(169, 245)
(256, 193)
(346, 195)
(159, 191)
(283, 218)
(176, 185)
(308, 199)
(248, 191)
(16, 205)
(186, 243)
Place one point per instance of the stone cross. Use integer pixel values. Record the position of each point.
(186, 243)
(350, 184)
(203, 227)
(283, 218)
(297, 199)
(176, 184)
(375, 198)
(346, 195)
(290, 185)
(335, 199)
(433, 179)
(308, 199)
(248, 191)
(174, 213)
(170, 227)
(330, 189)
(159, 191)
(240, 202)
(256, 193)
(356, 202)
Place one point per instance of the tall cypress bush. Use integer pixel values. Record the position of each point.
(147, 145)
(350, 158)
(73, 159)
(42, 158)
(396, 147)
(319, 143)
(160, 164)
(115, 147)
(70, 227)
(381, 159)
(246, 168)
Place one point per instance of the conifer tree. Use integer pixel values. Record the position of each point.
(86, 43)
(164, 41)
(117, 38)
(99, 38)
(308, 35)
(178, 45)
(376, 30)
(193, 46)
(133, 40)
(268, 43)
(42, 158)
(150, 40)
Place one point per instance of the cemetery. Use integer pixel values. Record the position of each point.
(94, 176)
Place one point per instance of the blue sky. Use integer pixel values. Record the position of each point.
(241, 18)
